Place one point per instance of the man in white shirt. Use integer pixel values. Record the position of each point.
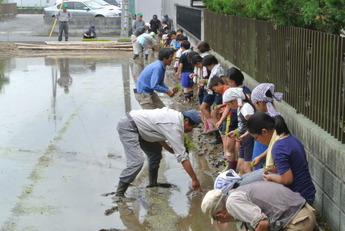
(147, 130)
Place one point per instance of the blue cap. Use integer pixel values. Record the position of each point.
(165, 16)
(193, 114)
(92, 28)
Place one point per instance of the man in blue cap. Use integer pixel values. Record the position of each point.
(64, 17)
(168, 21)
(91, 33)
(148, 131)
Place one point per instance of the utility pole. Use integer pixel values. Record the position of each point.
(125, 19)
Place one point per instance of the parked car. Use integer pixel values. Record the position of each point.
(82, 8)
(107, 5)
(113, 2)
(100, 2)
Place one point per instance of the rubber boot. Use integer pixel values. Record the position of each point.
(217, 139)
(135, 56)
(191, 94)
(153, 176)
(186, 97)
(121, 189)
(146, 56)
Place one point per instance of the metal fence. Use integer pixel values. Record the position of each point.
(190, 19)
(307, 66)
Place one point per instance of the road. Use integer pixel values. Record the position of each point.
(28, 28)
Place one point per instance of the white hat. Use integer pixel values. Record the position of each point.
(234, 93)
(165, 36)
(226, 180)
(148, 25)
(211, 202)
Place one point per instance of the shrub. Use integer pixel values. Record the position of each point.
(323, 15)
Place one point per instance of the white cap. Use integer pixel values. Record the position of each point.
(211, 202)
(148, 25)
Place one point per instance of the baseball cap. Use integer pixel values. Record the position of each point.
(64, 5)
(193, 114)
(153, 34)
(165, 16)
(140, 14)
(92, 28)
(211, 202)
(155, 16)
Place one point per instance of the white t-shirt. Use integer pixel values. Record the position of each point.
(245, 110)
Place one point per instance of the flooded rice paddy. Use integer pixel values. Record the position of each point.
(60, 156)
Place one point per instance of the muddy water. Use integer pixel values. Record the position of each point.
(60, 156)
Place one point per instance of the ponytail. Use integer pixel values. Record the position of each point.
(280, 125)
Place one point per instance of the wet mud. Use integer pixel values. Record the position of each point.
(60, 157)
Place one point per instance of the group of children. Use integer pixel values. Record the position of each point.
(225, 104)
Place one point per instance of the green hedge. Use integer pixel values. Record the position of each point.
(322, 15)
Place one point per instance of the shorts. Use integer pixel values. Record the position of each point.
(186, 82)
(201, 94)
(230, 123)
(246, 149)
(218, 98)
(207, 98)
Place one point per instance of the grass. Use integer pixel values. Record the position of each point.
(123, 39)
(88, 40)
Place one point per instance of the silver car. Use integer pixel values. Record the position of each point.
(82, 8)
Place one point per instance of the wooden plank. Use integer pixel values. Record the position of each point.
(70, 48)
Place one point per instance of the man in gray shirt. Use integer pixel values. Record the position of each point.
(138, 22)
(64, 17)
(147, 130)
(261, 205)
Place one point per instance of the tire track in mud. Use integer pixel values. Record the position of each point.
(22, 208)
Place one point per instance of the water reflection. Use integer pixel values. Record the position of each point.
(3, 78)
(65, 79)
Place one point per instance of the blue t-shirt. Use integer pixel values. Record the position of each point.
(152, 78)
(246, 90)
(288, 153)
(259, 148)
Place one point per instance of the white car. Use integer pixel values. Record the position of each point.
(81, 8)
(102, 3)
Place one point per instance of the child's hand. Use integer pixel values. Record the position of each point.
(232, 134)
(218, 124)
(177, 75)
(256, 161)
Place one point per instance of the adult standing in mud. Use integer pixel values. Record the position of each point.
(147, 130)
(151, 79)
